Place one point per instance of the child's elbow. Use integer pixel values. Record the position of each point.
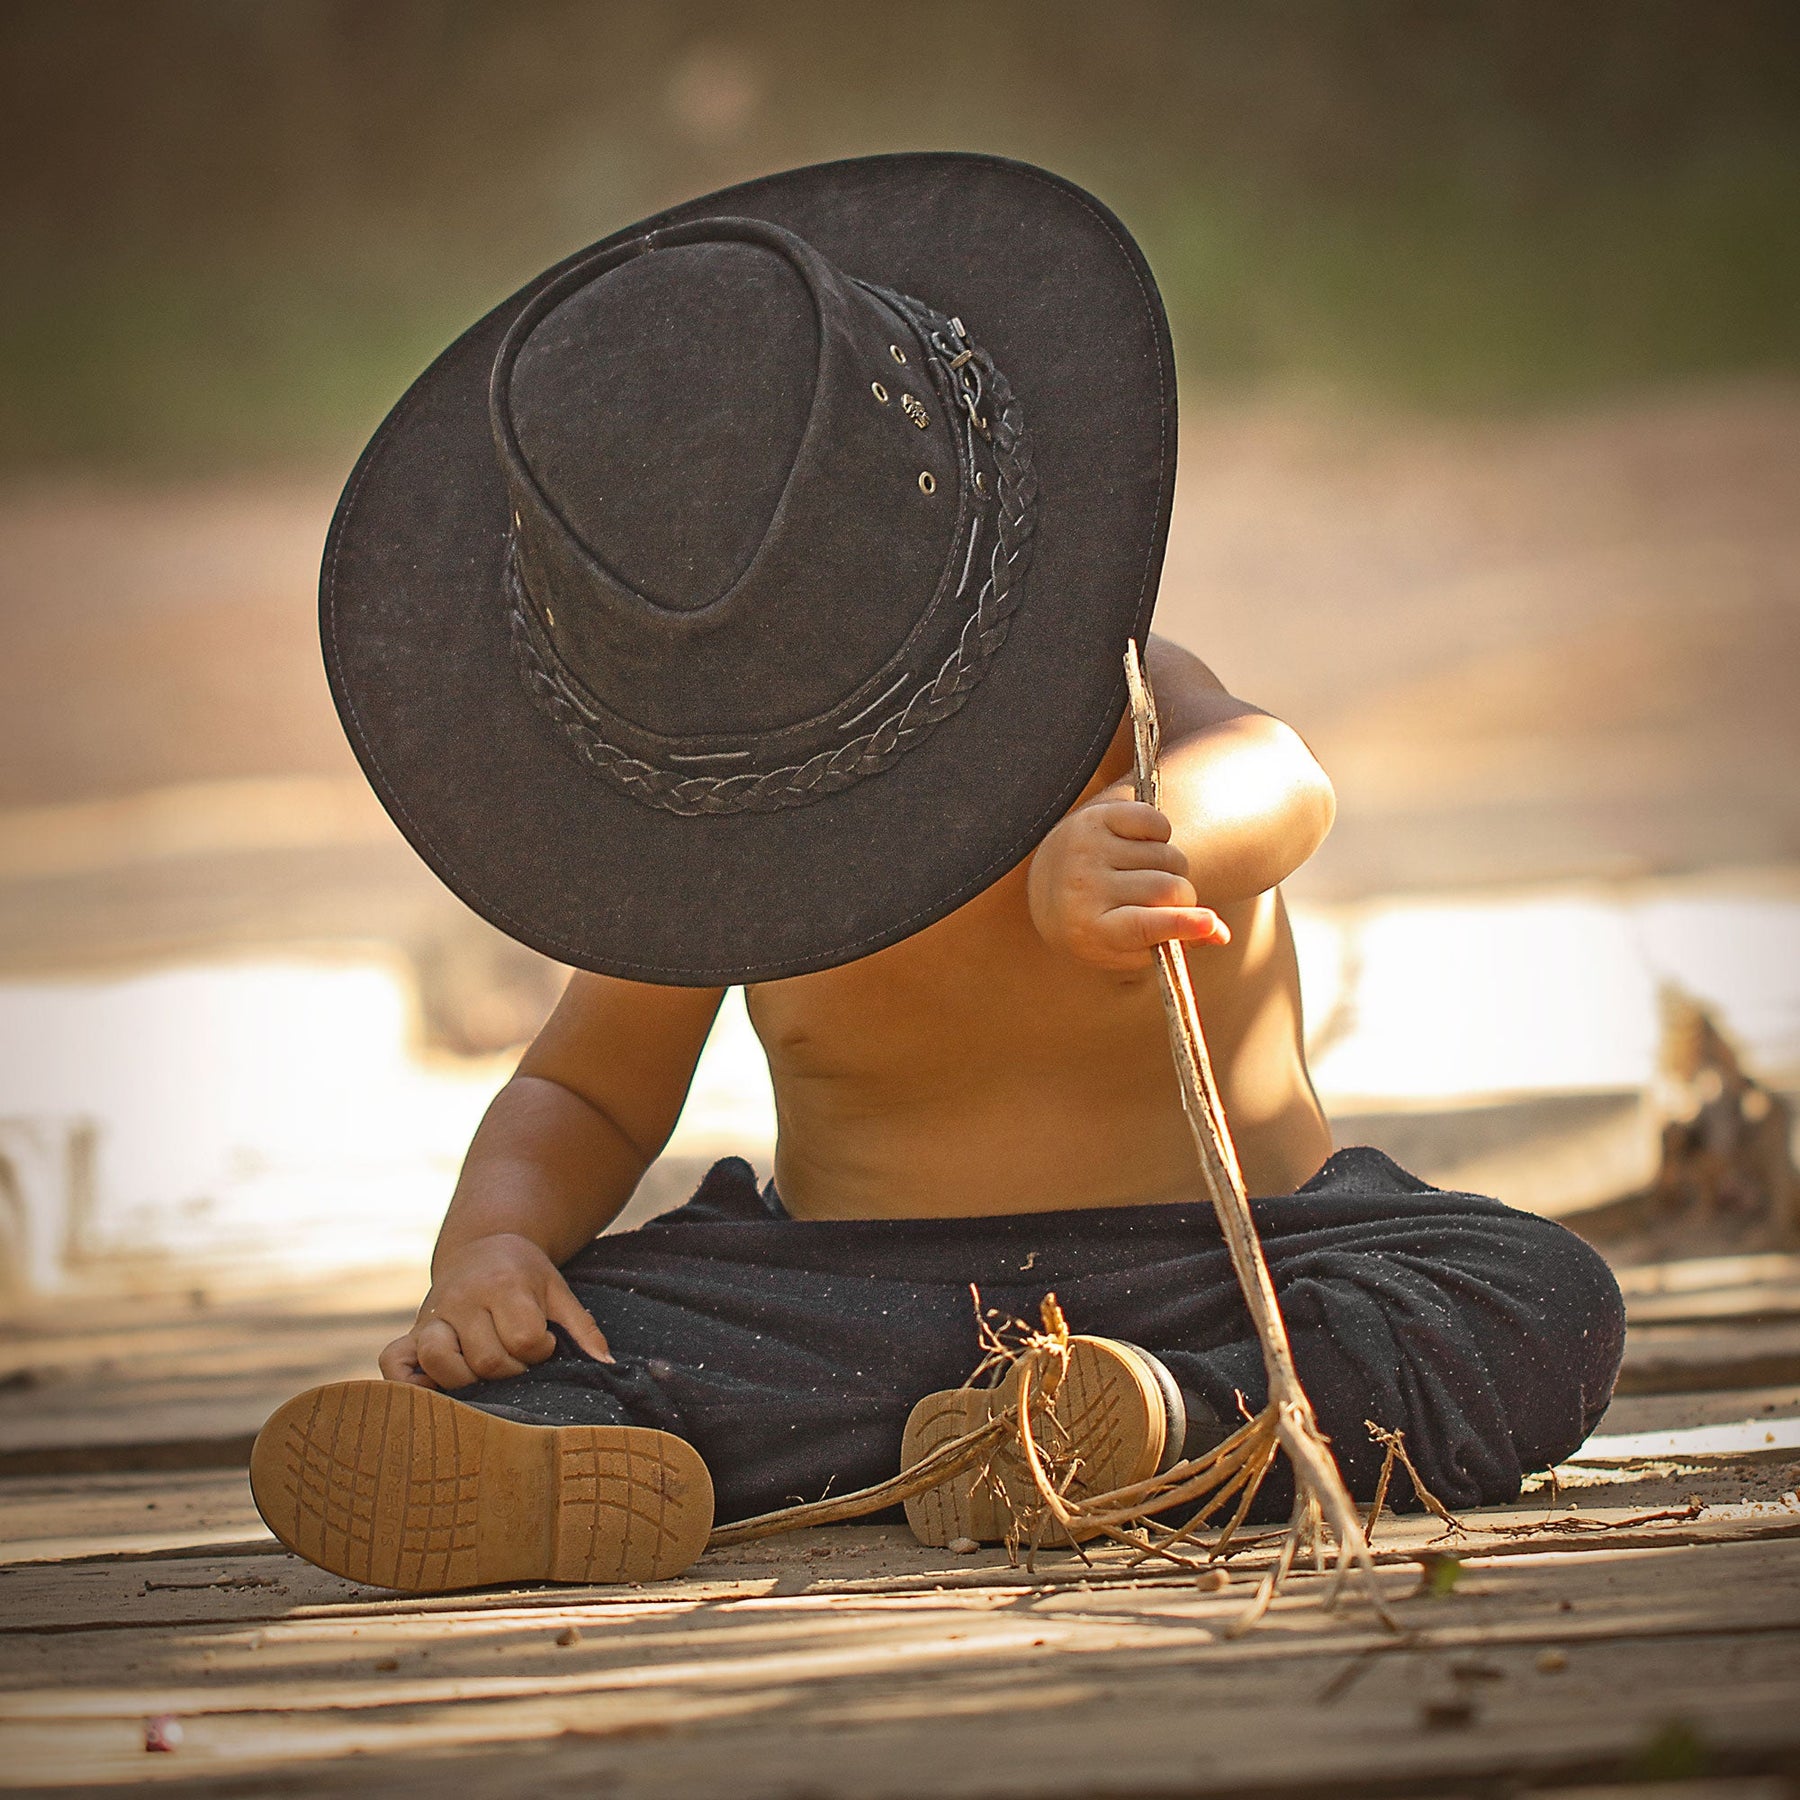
(1314, 802)
(1324, 803)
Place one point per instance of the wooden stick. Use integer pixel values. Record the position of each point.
(948, 1460)
(1235, 1467)
(1315, 1469)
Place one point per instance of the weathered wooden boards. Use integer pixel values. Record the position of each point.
(1763, 1286)
(105, 1588)
(1538, 1664)
(851, 1664)
(111, 1385)
(179, 1512)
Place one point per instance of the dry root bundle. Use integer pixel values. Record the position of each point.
(1222, 1483)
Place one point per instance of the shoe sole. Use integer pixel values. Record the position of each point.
(403, 1487)
(1109, 1404)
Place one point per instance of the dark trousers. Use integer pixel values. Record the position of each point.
(789, 1352)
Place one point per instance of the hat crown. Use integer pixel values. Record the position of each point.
(747, 494)
(660, 409)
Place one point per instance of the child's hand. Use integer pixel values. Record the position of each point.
(488, 1314)
(1106, 885)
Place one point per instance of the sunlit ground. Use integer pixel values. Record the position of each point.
(279, 1116)
(1544, 992)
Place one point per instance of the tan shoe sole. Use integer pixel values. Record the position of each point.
(1109, 1405)
(407, 1488)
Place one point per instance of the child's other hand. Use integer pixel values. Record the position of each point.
(488, 1314)
(1108, 886)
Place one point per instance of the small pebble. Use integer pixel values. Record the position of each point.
(1551, 1662)
(1449, 1713)
(162, 1732)
(570, 1634)
(1472, 1669)
(963, 1546)
(1210, 1581)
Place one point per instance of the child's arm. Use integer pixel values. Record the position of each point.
(1243, 805)
(553, 1162)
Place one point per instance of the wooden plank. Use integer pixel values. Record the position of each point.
(1002, 1733)
(1739, 1437)
(1051, 1691)
(130, 1594)
(57, 1517)
(88, 1393)
(1696, 1274)
(1705, 1406)
(156, 1593)
(1667, 1359)
(1752, 1302)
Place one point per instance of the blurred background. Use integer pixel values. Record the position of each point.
(1488, 324)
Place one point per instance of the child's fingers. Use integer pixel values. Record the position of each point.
(1135, 819)
(560, 1303)
(523, 1330)
(1144, 927)
(1144, 853)
(1155, 888)
(483, 1351)
(440, 1355)
(399, 1361)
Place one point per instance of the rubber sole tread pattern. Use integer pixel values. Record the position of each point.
(406, 1488)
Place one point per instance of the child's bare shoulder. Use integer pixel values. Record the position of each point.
(1189, 696)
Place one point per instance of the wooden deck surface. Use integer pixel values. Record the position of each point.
(1637, 1618)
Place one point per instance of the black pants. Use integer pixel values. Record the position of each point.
(789, 1352)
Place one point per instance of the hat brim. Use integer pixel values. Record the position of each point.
(487, 790)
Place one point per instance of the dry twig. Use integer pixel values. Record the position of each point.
(943, 1464)
(1320, 1494)
(1394, 1443)
(1028, 1429)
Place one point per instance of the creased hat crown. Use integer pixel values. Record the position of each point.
(661, 408)
(749, 493)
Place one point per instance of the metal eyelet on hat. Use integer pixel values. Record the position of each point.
(927, 482)
(879, 392)
(896, 353)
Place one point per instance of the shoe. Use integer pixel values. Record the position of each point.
(404, 1487)
(1119, 1413)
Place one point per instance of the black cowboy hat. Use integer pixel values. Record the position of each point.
(749, 590)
